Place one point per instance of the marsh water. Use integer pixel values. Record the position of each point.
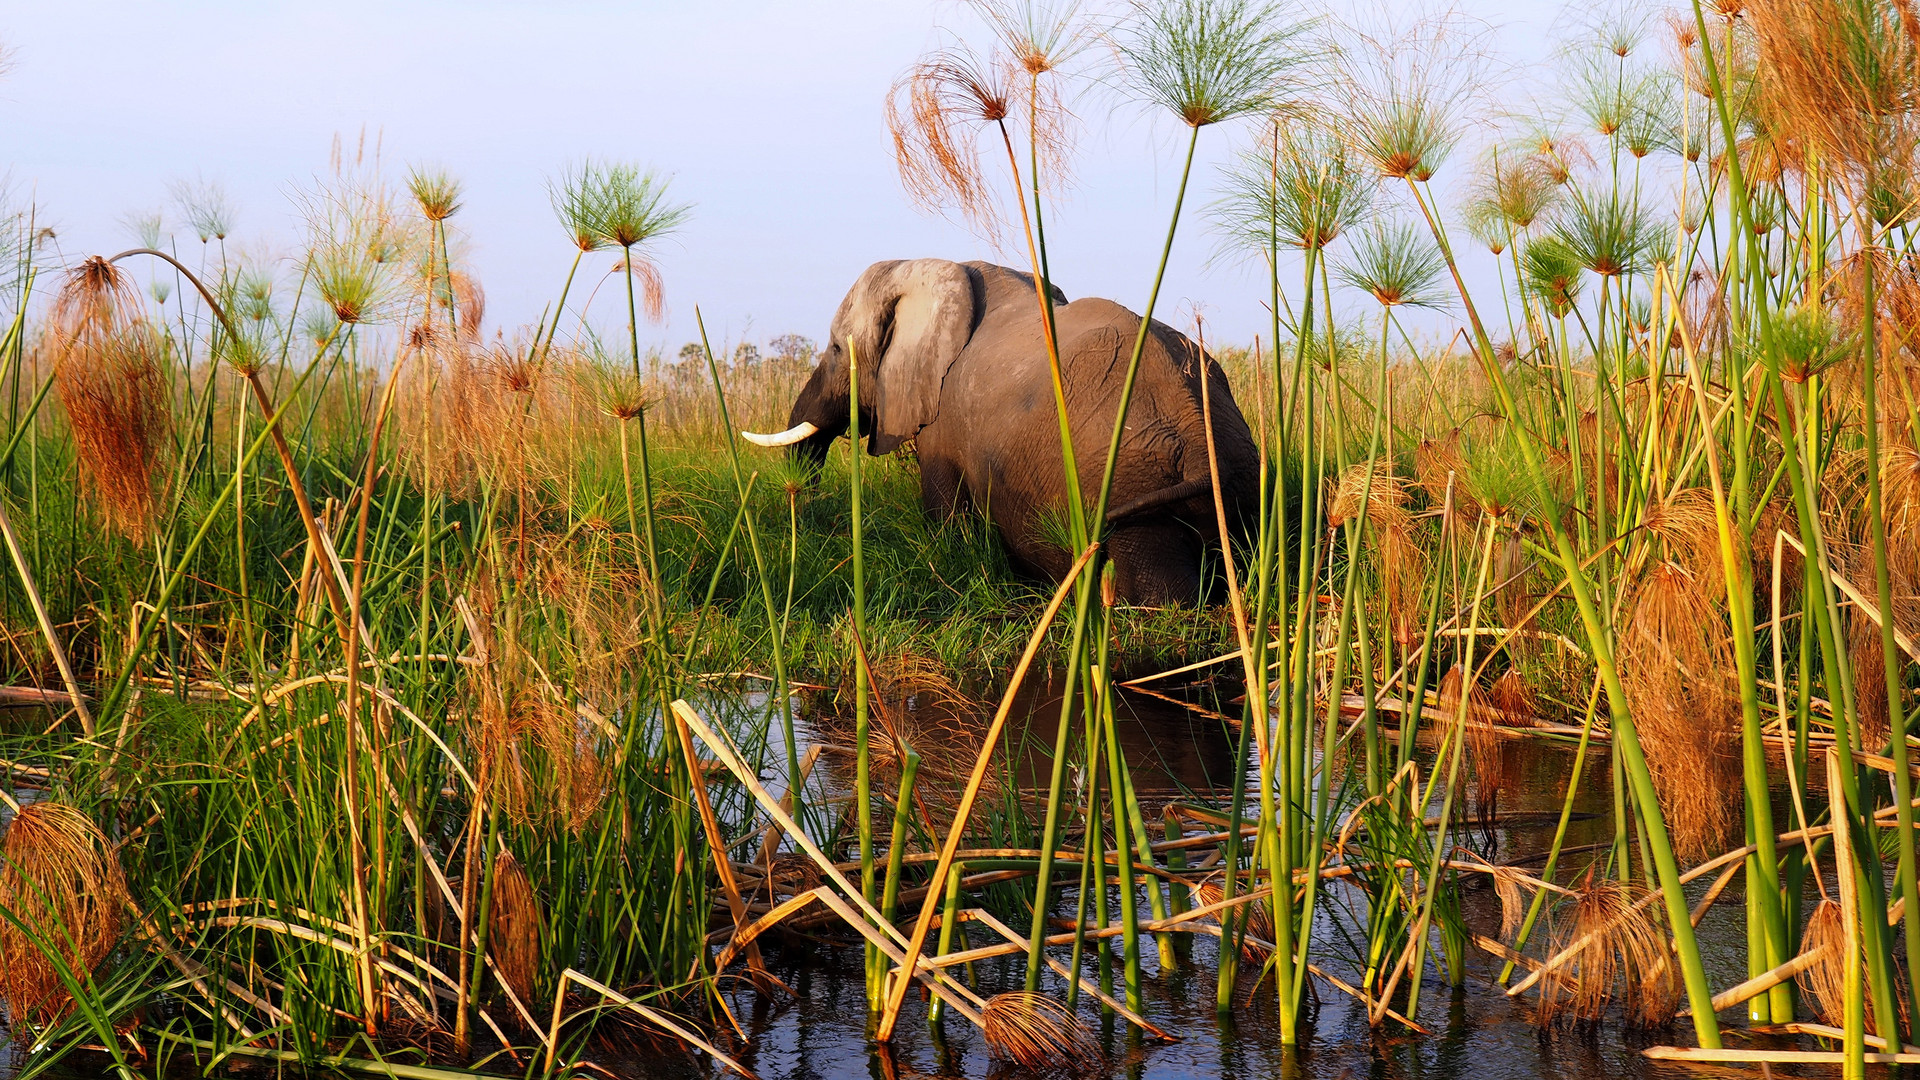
(1181, 748)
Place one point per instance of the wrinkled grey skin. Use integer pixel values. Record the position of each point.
(953, 359)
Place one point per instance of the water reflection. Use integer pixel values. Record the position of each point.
(1185, 748)
(1476, 1034)
(1176, 742)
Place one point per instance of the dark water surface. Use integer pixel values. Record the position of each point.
(1476, 1032)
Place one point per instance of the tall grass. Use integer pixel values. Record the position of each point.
(355, 639)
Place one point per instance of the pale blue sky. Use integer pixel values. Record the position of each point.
(768, 115)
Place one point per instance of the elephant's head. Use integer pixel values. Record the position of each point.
(906, 321)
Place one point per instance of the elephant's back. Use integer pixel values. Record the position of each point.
(1010, 423)
(1165, 441)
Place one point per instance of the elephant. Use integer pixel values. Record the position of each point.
(953, 362)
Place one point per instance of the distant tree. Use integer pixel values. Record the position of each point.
(793, 349)
(746, 355)
(693, 353)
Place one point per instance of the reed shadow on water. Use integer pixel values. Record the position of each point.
(1181, 750)
(1174, 737)
(424, 692)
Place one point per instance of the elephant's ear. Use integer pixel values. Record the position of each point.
(907, 322)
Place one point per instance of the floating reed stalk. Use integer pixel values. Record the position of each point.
(1617, 951)
(1037, 1032)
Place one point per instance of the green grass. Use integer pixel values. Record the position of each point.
(1575, 525)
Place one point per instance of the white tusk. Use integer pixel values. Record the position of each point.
(792, 435)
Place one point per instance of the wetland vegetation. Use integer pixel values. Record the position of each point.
(392, 692)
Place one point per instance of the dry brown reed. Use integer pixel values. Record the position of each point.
(918, 703)
(61, 881)
(1513, 909)
(1675, 656)
(1864, 645)
(506, 422)
(931, 113)
(1620, 953)
(1769, 155)
(1599, 472)
(1839, 76)
(1512, 596)
(1869, 679)
(1485, 745)
(1037, 1032)
(792, 873)
(1451, 685)
(903, 673)
(1825, 983)
(513, 926)
(440, 398)
(110, 372)
(1896, 309)
(494, 716)
(1440, 469)
(1372, 488)
(1843, 510)
(1900, 495)
(1403, 562)
(469, 303)
(1897, 300)
(1687, 523)
(1254, 919)
(652, 294)
(534, 754)
(1513, 701)
(601, 600)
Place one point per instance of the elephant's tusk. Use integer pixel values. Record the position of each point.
(794, 434)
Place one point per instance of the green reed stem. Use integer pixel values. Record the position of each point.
(1627, 740)
(782, 688)
(949, 924)
(1122, 836)
(1879, 960)
(1143, 846)
(1895, 668)
(897, 844)
(863, 760)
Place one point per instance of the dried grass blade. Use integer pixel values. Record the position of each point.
(655, 1016)
(745, 935)
(1774, 1057)
(989, 740)
(1763, 982)
(46, 624)
(723, 749)
(1865, 604)
(1086, 985)
(717, 843)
